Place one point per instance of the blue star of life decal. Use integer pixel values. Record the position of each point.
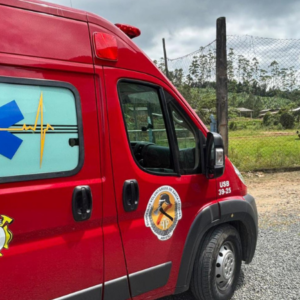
(10, 114)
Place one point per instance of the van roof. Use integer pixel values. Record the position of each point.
(57, 10)
(46, 7)
(62, 11)
(75, 14)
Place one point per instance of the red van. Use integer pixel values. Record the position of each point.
(111, 187)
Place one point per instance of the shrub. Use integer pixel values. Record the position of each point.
(232, 126)
(243, 126)
(279, 127)
(276, 119)
(271, 119)
(267, 120)
(232, 113)
(287, 120)
(257, 126)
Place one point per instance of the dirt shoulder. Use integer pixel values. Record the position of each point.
(277, 196)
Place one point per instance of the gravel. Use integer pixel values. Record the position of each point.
(275, 270)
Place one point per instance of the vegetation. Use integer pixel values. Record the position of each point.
(250, 150)
(249, 85)
(257, 143)
(287, 120)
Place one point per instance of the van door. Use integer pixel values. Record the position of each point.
(50, 188)
(51, 238)
(156, 158)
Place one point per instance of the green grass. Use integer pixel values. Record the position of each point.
(262, 132)
(249, 149)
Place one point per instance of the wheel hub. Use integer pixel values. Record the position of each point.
(225, 266)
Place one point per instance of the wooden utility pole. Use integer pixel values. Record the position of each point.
(165, 56)
(221, 80)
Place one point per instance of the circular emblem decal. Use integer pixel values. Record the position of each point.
(163, 212)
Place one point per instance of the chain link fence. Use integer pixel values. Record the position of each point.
(263, 97)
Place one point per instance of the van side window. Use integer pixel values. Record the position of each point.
(185, 136)
(39, 133)
(146, 127)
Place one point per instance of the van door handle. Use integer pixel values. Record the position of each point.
(82, 203)
(130, 195)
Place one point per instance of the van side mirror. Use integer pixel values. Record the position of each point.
(215, 157)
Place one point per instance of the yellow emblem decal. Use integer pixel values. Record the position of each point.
(5, 234)
(163, 212)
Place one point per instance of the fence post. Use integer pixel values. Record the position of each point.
(166, 60)
(221, 81)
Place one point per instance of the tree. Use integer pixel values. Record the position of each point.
(177, 77)
(194, 70)
(161, 65)
(255, 69)
(211, 64)
(202, 67)
(230, 66)
(287, 120)
(275, 73)
(291, 77)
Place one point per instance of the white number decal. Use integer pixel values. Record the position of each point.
(225, 188)
(224, 184)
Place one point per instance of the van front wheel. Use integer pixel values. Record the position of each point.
(217, 264)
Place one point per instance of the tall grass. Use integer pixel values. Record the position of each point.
(250, 150)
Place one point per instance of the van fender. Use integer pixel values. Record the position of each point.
(240, 213)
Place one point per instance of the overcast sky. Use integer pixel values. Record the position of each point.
(188, 24)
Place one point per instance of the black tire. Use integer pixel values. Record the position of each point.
(221, 244)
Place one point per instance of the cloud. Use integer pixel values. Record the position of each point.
(188, 24)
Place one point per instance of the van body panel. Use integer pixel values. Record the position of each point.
(142, 248)
(47, 8)
(50, 254)
(43, 36)
(115, 267)
(230, 180)
(44, 63)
